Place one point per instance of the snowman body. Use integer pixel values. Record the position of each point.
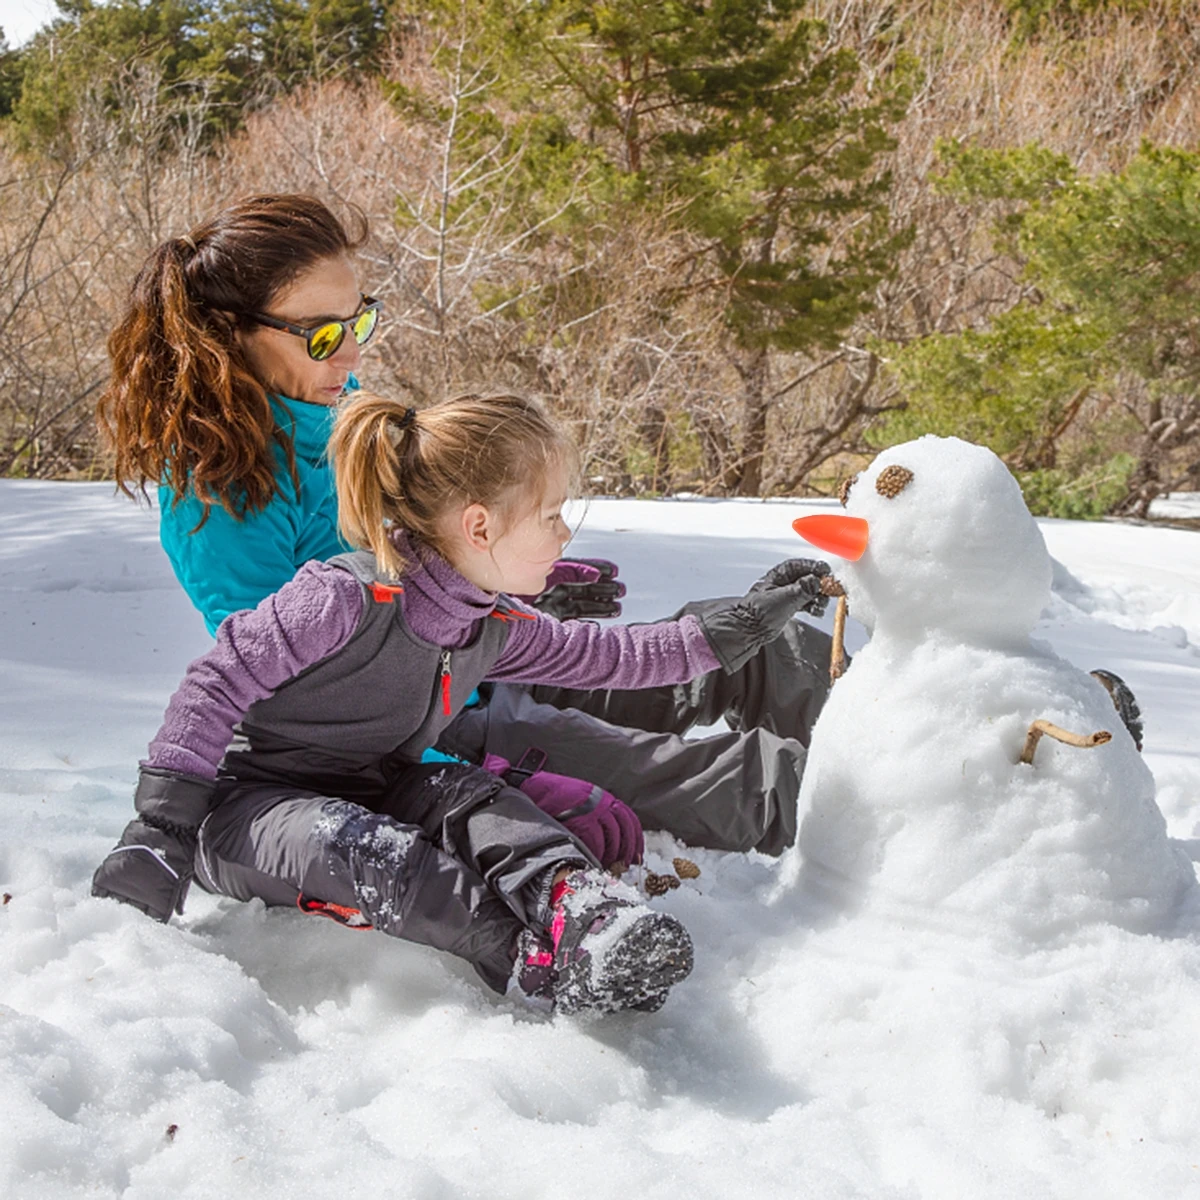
(914, 792)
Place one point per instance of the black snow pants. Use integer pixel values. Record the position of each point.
(735, 790)
(448, 856)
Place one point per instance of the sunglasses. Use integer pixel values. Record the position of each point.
(323, 340)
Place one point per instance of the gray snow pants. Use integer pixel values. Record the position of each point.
(728, 791)
(448, 856)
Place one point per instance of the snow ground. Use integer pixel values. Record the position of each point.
(812, 1052)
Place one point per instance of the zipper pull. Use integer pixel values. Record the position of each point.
(446, 682)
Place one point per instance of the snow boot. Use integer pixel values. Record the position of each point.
(605, 951)
(1124, 702)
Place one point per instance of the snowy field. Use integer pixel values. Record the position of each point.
(815, 1051)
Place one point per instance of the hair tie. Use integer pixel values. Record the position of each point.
(410, 415)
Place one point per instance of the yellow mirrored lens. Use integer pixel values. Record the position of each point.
(325, 341)
(364, 325)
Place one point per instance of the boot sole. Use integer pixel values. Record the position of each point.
(635, 971)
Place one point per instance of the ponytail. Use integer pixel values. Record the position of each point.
(182, 408)
(365, 453)
(400, 470)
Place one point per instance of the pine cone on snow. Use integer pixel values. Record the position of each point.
(659, 885)
(685, 868)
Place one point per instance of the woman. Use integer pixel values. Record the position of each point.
(238, 340)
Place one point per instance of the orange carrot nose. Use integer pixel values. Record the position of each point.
(844, 536)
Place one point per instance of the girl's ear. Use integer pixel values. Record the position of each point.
(476, 524)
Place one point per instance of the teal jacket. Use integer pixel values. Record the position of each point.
(230, 564)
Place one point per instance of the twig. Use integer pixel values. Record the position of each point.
(837, 655)
(1084, 741)
(837, 658)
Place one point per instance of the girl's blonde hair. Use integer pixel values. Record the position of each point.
(397, 468)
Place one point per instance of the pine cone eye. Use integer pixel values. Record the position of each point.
(844, 489)
(892, 481)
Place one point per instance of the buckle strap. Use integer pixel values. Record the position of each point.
(530, 763)
(352, 918)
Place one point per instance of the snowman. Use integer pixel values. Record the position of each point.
(925, 790)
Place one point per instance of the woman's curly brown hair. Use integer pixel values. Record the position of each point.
(182, 407)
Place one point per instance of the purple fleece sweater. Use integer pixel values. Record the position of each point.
(316, 613)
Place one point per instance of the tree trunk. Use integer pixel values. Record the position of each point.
(754, 369)
(656, 438)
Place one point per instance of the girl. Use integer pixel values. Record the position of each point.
(288, 764)
(237, 341)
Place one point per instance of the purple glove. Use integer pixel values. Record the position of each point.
(606, 826)
(580, 587)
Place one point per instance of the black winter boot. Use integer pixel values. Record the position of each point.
(604, 950)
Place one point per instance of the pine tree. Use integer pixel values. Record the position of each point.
(1111, 264)
(757, 135)
(230, 52)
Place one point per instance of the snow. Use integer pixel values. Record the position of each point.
(903, 1047)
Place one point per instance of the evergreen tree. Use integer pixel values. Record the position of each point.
(85, 51)
(1112, 264)
(288, 41)
(760, 138)
(10, 76)
(230, 52)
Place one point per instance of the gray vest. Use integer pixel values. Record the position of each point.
(347, 722)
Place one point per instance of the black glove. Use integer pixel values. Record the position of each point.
(581, 587)
(742, 628)
(151, 866)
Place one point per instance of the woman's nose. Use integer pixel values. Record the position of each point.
(349, 354)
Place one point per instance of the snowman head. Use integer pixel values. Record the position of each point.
(950, 546)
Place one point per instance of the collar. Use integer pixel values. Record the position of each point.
(310, 425)
(434, 586)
